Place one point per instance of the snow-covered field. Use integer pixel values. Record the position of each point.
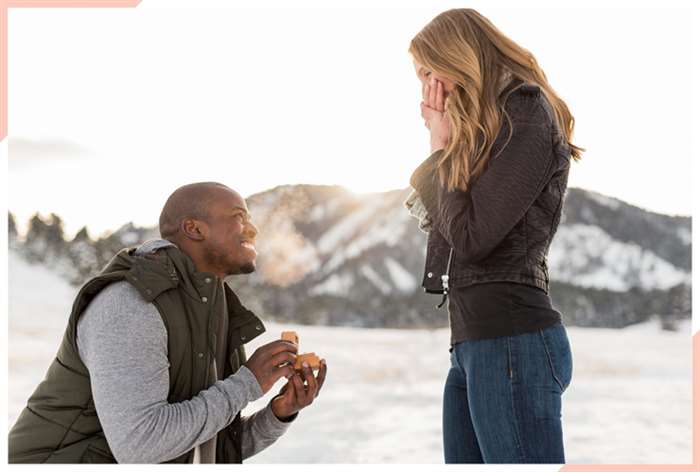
(629, 400)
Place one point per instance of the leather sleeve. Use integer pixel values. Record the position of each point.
(475, 221)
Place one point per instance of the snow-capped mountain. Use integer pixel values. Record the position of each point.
(606, 243)
(329, 256)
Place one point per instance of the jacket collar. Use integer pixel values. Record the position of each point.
(159, 265)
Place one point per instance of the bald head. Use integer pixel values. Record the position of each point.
(211, 224)
(191, 201)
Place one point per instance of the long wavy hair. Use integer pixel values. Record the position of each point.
(468, 49)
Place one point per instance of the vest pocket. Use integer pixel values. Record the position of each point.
(69, 454)
(243, 329)
(98, 452)
(96, 456)
(90, 409)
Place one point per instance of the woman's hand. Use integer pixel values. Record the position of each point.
(433, 112)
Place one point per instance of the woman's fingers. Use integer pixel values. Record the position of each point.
(439, 97)
(424, 111)
(432, 96)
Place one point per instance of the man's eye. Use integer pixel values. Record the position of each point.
(243, 218)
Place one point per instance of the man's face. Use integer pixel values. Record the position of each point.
(229, 247)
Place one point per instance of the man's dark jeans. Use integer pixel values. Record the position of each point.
(502, 400)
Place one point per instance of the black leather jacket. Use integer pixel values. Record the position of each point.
(500, 229)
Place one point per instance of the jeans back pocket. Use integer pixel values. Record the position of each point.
(558, 349)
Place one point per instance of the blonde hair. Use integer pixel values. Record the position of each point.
(468, 49)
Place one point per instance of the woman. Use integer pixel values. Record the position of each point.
(490, 196)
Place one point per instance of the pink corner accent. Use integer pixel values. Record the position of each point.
(72, 4)
(696, 401)
(631, 468)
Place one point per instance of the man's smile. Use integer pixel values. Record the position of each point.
(249, 245)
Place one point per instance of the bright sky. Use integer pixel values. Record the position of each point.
(111, 110)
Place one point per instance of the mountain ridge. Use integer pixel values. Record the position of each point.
(331, 256)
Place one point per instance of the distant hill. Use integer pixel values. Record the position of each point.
(329, 256)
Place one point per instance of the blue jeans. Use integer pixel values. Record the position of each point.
(502, 400)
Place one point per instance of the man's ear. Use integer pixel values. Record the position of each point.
(194, 229)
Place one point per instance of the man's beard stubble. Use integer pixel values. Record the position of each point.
(247, 268)
(223, 263)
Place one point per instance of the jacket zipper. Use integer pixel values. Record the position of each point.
(445, 282)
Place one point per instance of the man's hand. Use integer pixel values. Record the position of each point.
(433, 112)
(296, 395)
(271, 362)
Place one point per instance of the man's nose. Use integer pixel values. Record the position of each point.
(250, 230)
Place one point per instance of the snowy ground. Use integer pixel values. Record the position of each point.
(629, 400)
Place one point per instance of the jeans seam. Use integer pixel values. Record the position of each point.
(519, 442)
(551, 364)
(510, 361)
(456, 354)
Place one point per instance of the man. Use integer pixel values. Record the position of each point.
(152, 367)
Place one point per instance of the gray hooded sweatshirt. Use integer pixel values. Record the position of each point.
(130, 384)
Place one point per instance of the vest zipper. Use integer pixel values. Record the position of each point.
(210, 357)
(445, 281)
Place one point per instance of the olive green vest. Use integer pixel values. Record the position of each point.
(60, 424)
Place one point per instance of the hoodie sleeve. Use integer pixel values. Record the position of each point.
(261, 429)
(123, 342)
